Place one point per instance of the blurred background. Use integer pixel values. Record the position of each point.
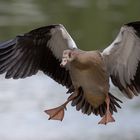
(93, 24)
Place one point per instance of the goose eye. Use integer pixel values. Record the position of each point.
(70, 55)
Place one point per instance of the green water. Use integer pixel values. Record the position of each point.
(92, 23)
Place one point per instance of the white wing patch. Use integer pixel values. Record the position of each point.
(60, 41)
(123, 55)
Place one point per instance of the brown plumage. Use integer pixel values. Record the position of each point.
(84, 73)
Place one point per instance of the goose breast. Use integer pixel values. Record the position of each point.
(89, 72)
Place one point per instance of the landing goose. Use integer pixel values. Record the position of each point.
(84, 73)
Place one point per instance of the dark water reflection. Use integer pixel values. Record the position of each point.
(93, 24)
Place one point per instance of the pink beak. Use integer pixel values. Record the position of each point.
(63, 63)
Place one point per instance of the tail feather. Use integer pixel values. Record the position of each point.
(82, 104)
(89, 111)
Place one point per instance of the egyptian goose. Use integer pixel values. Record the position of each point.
(84, 73)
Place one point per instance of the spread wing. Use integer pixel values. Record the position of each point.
(40, 49)
(122, 58)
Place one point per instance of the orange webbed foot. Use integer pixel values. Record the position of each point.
(56, 113)
(107, 118)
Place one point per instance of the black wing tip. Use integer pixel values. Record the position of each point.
(7, 43)
(135, 25)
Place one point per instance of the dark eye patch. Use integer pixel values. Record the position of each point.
(69, 54)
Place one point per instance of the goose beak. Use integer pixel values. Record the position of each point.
(64, 62)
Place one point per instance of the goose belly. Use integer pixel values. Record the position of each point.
(95, 87)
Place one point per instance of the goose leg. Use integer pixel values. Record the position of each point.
(58, 112)
(108, 116)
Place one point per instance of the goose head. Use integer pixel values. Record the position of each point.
(67, 57)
